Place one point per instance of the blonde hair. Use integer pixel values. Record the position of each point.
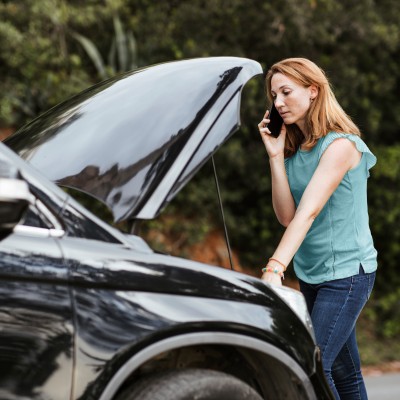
(324, 115)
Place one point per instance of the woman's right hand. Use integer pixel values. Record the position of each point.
(272, 278)
(274, 146)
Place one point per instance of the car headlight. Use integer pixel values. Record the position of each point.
(296, 301)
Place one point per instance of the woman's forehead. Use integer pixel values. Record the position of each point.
(279, 81)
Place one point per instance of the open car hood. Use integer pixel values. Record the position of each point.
(134, 141)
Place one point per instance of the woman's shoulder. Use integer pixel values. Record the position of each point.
(356, 139)
(332, 135)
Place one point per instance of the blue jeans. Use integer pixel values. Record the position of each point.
(334, 307)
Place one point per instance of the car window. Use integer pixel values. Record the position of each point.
(39, 216)
(34, 218)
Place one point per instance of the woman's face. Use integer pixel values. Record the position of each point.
(291, 99)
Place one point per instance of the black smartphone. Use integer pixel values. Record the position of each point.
(275, 121)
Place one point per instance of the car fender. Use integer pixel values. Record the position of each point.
(203, 338)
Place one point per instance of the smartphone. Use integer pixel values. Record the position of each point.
(275, 121)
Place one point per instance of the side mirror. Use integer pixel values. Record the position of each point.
(14, 198)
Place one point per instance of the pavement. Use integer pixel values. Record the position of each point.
(384, 386)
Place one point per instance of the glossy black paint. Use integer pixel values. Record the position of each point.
(187, 108)
(36, 320)
(158, 294)
(77, 308)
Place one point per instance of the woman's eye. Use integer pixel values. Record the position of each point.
(286, 93)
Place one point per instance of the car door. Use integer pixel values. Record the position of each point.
(36, 325)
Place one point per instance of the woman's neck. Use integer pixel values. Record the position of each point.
(301, 124)
(303, 132)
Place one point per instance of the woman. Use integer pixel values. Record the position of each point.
(319, 171)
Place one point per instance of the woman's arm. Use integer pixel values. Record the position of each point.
(338, 158)
(282, 199)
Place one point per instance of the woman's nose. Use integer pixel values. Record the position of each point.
(278, 102)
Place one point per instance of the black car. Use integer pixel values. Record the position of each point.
(90, 312)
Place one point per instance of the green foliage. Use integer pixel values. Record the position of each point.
(388, 309)
(122, 55)
(40, 62)
(384, 211)
(376, 347)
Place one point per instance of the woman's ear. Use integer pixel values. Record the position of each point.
(313, 92)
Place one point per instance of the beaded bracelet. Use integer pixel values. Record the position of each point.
(268, 268)
(280, 263)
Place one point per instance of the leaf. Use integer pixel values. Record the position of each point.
(121, 44)
(92, 52)
(112, 56)
(132, 50)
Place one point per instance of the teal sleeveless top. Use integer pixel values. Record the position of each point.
(339, 240)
